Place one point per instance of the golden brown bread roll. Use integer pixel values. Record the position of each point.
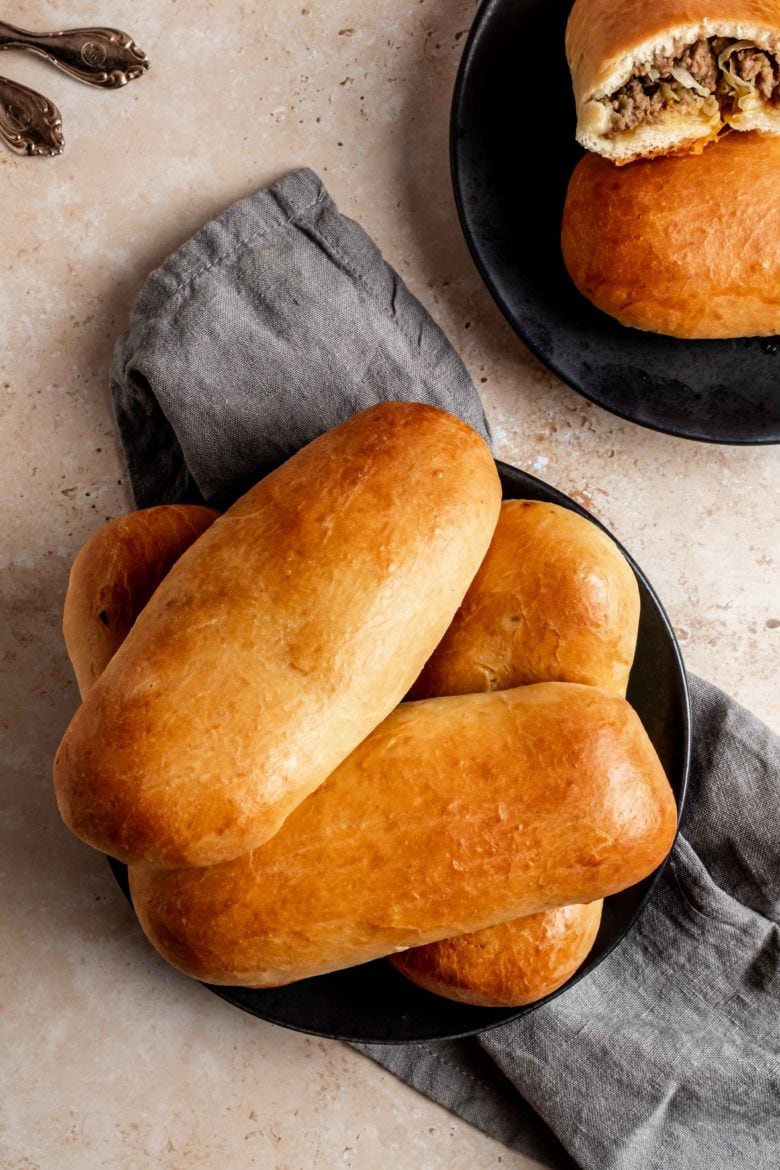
(115, 574)
(666, 77)
(508, 965)
(280, 639)
(512, 963)
(554, 599)
(686, 247)
(453, 815)
(112, 579)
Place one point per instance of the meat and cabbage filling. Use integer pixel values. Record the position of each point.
(714, 74)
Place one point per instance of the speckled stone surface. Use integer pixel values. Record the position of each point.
(107, 1058)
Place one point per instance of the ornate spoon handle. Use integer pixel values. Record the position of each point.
(98, 56)
(29, 122)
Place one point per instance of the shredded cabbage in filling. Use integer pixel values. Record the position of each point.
(711, 75)
(744, 94)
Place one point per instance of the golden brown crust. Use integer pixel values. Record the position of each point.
(605, 39)
(114, 575)
(685, 247)
(453, 815)
(554, 600)
(280, 639)
(508, 965)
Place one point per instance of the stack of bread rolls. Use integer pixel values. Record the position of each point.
(686, 240)
(243, 743)
(553, 601)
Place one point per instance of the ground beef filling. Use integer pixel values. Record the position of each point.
(645, 98)
(761, 69)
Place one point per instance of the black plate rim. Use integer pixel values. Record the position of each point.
(523, 480)
(692, 435)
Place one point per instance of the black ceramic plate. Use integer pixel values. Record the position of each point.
(373, 1003)
(510, 176)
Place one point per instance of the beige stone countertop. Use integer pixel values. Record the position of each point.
(108, 1058)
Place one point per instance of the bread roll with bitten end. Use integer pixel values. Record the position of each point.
(114, 575)
(280, 639)
(453, 815)
(667, 77)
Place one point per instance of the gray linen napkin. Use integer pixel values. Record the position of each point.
(668, 1054)
(274, 323)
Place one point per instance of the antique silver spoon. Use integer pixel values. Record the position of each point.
(98, 56)
(29, 122)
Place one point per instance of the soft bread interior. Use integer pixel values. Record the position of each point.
(676, 92)
(673, 136)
